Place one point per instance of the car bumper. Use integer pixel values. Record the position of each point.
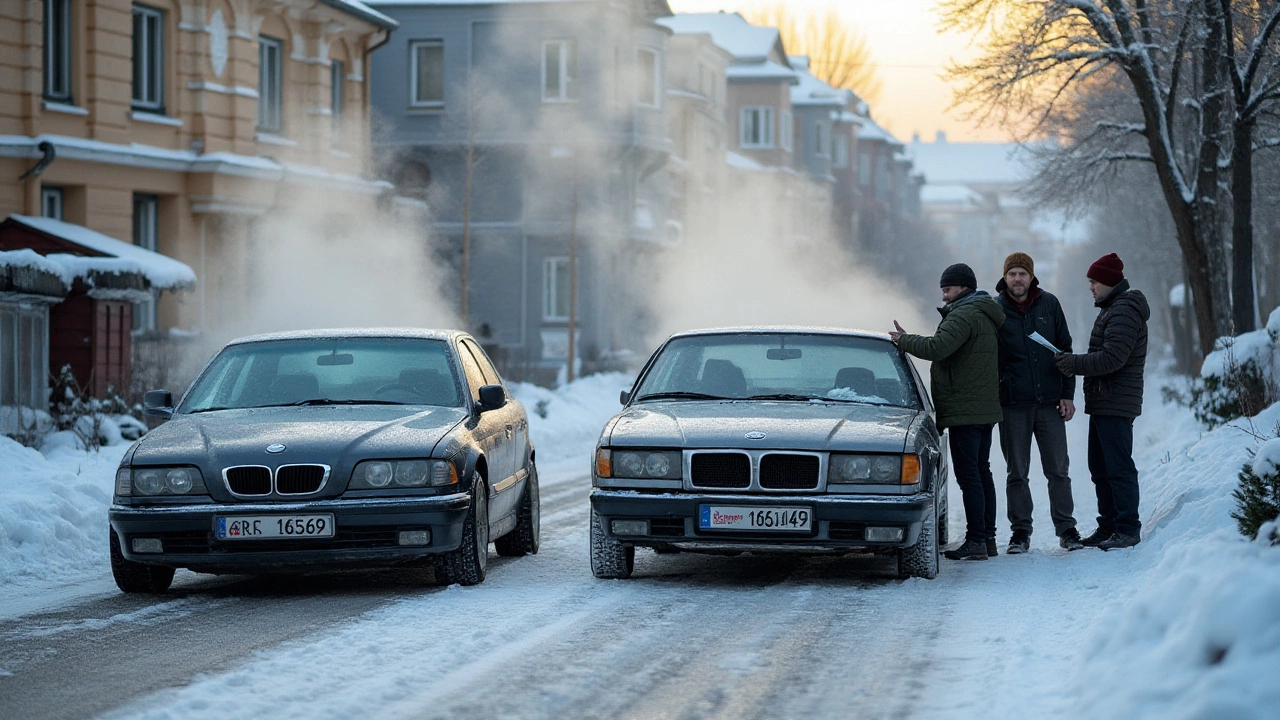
(366, 533)
(839, 522)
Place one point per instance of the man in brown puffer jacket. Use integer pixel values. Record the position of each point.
(1112, 371)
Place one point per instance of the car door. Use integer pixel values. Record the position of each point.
(487, 428)
(512, 440)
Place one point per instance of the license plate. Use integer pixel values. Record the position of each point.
(731, 517)
(267, 527)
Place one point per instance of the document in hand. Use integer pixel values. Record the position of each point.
(1040, 340)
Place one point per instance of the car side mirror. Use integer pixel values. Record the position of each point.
(624, 397)
(492, 397)
(158, 403)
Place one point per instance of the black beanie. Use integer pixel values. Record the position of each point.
(959, 274)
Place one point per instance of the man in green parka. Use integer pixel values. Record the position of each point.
(965, 382)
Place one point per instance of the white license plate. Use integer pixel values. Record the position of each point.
(754, 518)
(268, 527)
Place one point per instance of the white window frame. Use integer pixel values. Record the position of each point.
(57, 50)
(270, 84)
(146, 234)
(787, 130)
(566, 71)
(148, 59)
(552, 268)
(755, 127)
(840, 150)
(337, 101)
(52, 202)
(821, 140)
(654, 86)
(416, 75)
(24, 364)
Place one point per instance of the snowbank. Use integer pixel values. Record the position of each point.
(1258, 347)
(575, 414)
(1198, 637)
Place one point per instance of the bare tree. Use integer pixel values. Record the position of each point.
(838, 54)
(1036, 56)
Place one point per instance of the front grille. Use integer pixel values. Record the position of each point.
(720, 470)
(846, 531)
(666, 527)
(299, 479)
(248, 480)
(779, 471)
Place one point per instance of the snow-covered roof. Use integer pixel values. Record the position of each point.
(954, 162)
(362, 11)
(28, 258)
(122, 258)
(764, 70)
(871, 130)
(809, 90)
(744, 41)
(949, 195)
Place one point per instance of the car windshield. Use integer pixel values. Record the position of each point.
(327, 371)
(780, 366)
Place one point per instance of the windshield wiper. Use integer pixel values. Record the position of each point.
(329, 401)
(784, 396)
(680, 395)
(212, 409)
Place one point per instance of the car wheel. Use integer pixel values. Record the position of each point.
(524, 539)
(132, 577)
(921, 560)
(468, 564)
(609, 558)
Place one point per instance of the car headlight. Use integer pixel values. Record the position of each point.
(378, 474)
(640, 464)
(152, 481)
(873, 469)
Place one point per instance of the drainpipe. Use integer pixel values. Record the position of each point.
(50, 154)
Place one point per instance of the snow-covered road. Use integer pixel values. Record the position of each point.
(1047, 634)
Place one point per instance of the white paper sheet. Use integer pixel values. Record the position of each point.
(1040, 340)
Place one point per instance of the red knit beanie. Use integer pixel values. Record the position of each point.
(1108, 270)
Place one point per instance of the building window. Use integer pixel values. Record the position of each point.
(555, 289)
(559, 71)
(864, 168)
(821, 139)
(755, 126)
(337, 76)
(270, 84)
(51, 202)
(788, 130)
(426, 73)
(840, 150)
(24, 355)
(57, 50)
(648, 78)
(148, 58)
(146, 233)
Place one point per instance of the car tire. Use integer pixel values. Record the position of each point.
(921, 560)
(525, 538)
(610, 559)
(132, 577)
(468, 564)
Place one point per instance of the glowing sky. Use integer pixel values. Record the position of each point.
(910, 53)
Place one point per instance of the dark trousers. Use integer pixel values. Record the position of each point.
(971, 463)
(1115, 477)
(1045, 424)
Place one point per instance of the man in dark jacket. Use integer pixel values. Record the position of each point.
(1112, 371)
(1036, 401)
(965, 382)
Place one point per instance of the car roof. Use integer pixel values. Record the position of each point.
(342, 333)
(782, 329)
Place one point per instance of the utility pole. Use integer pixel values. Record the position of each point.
(464, 308)
(573, 268)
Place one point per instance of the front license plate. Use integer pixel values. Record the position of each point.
(267, 527)
(732, 517)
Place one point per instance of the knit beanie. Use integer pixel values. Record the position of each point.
(959, 274)
(1022, 260)
(1108, 270)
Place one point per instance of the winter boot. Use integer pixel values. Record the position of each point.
(1019, 543)
(992, 550)
(1070, 540)
(1119, 540)
(968, 550)
(1097, 537)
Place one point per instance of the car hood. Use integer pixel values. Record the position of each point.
(786, 425)
(321, 434)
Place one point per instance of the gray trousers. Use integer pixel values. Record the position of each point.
(1020, 424)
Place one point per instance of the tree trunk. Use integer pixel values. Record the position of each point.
(1242, 297)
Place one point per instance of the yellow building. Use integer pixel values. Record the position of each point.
(178, 123)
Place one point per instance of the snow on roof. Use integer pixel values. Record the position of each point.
(159, 270)
(949, 195)
(28, 258)
(945, 162)
(363, 11)
(744, 41)
(871, 130)
(765, 70)
(812, 91)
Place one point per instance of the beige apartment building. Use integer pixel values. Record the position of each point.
(179, 124)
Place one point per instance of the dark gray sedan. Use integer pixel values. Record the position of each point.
(356, 448)
(772, 439)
